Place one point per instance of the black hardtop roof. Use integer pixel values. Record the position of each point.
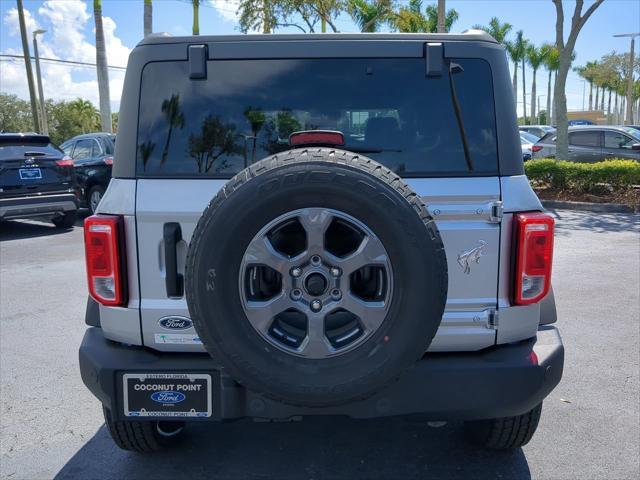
(466, 36)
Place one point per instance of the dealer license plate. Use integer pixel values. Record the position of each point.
(167, 395)
(30, 174)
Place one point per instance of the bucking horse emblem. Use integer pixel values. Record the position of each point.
(467, 257)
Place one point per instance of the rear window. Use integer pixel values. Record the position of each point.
(12, 148)
(246, 109)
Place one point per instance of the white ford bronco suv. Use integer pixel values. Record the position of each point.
(306, 225)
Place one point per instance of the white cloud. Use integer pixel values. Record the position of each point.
(69, 27)
(227, 9)
(13, 25)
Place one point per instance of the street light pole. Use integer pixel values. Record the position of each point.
(27, 65)
(629, 115)
(43, 112)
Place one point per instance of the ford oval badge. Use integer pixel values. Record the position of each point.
(167, 397)
(175, 323)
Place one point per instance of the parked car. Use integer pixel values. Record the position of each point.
(537, 130)
(527, 140)
(316, 254)
(579, 121)
(593, 143)
(92, 156)
(36, 180)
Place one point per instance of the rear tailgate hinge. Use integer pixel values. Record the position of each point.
(497, 211)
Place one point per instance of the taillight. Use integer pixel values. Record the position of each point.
(108, 160)
(65, 162)
(534, 255)
(105, 266)
(536, 148)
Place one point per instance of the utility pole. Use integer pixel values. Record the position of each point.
(43, 112)
(629, 116)
(27, 66)
(441, 14)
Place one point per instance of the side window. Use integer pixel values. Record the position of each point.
(585, 138)
(617, 140)
(83, 149)
(97, 151)
(67, 148)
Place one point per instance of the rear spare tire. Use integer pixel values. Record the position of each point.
(316, 277)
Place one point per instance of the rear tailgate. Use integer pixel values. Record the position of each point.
(31, 166)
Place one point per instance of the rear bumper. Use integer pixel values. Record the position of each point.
(502, 381)
(37, 205)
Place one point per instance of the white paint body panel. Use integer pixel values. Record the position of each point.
(462, 208)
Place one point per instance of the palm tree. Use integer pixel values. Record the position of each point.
(196, 13)
(101, 66)
(85, 114)
(410, 19)
(148, 17)
(535, 57)
(516, 50)
(497, 30)
(551, 63)
(175, 119)
(369, 14)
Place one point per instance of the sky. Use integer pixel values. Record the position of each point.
(70, 35)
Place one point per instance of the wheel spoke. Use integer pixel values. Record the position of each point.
(260, 314)
(371, 314)
(315, 221)
(370, 252)
(261, 251)
(316, 344)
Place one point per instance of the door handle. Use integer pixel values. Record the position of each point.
(172, 234)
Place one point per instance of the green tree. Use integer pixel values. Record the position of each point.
(496, 29)
(15, 114)
(565, 50)
(148, 17)
(195, 4)
(101, 66)
(175, 118)
(517, 50)
(411, 19)
(551, 63)
(86, 115)
(256, 119)
(535, 58)
(269, 15)
(369, 15)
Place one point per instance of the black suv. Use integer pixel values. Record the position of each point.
(36, 180)
(92, 155)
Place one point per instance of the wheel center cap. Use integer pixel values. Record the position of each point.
(316, 284)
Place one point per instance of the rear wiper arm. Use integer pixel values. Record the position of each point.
(456, 68)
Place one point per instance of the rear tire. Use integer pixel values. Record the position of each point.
(93, 199)
(68, 220)
(505, 433)
(142, 437)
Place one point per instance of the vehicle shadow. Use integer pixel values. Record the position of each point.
(570, 220)
(316, 448)
(22, 229)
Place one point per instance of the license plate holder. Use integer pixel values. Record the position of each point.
(167, 395)
(30, 174)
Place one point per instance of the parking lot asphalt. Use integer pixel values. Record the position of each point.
(52, 427)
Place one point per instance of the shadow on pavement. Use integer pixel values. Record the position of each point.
(567, 220)
(21, 229)
(317, 448)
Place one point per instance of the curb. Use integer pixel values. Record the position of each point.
(591, 207)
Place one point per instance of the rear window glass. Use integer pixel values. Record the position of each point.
(245, 110)
(11, 148)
